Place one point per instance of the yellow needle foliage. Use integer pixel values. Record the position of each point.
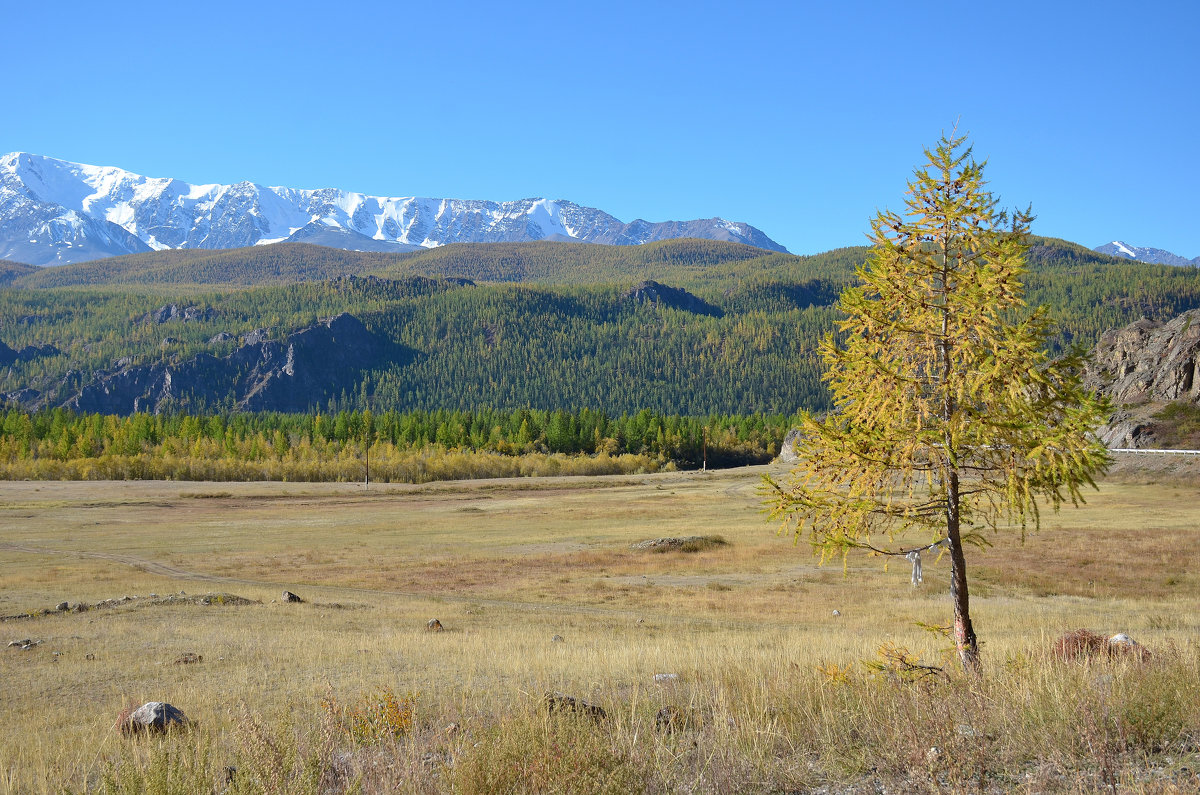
(949, 415)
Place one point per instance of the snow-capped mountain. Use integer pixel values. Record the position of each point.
(55, 212)
(1118, 248)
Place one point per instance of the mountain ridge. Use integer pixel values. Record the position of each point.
(58, 212)
(1119, 248)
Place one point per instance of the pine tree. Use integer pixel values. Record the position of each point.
(949, 415)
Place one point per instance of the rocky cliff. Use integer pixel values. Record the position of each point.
(28, 353)
(650, 291)
(298, 373)
(1141, 368)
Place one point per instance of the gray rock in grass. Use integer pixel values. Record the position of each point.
(154, 717)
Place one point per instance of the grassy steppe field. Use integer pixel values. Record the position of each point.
(538, 590)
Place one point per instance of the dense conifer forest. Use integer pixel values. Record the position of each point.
(547, 327)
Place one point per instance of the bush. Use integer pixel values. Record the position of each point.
(378, 717)
(544, 754)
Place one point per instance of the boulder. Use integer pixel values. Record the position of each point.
(433, 625)
(24, 397)
(288, 596)
(1120, 645)
(153, 717)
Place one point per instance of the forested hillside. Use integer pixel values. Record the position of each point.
(10, 270)
(283, 263)
(505, 346)
(560, 325)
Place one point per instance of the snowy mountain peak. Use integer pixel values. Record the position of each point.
(54, 211)
(1123, 249)
(1118, 248)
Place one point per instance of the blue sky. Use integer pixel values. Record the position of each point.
(799, 118)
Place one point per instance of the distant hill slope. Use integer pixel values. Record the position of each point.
(282, 263)
(10, 270)
(285, 263)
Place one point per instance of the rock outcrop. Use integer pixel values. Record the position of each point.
(1141, 367)
(28, 353)
(1148, 361)
(294, 374)
(1131, 429)
(787, 450)
(653, 292)
(185, 314)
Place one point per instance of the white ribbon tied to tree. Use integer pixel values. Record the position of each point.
(914, 557)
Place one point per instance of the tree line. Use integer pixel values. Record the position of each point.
(405, 446)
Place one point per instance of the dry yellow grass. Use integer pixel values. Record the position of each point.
(507, 565)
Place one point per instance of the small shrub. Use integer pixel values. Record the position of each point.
(380, 716)
(1153, 709)
(835, 674)
(167, 770)
(702, 543)
(536, 754)
(682, 544)
(899, 664)
(1080, 643)
(124, 715)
